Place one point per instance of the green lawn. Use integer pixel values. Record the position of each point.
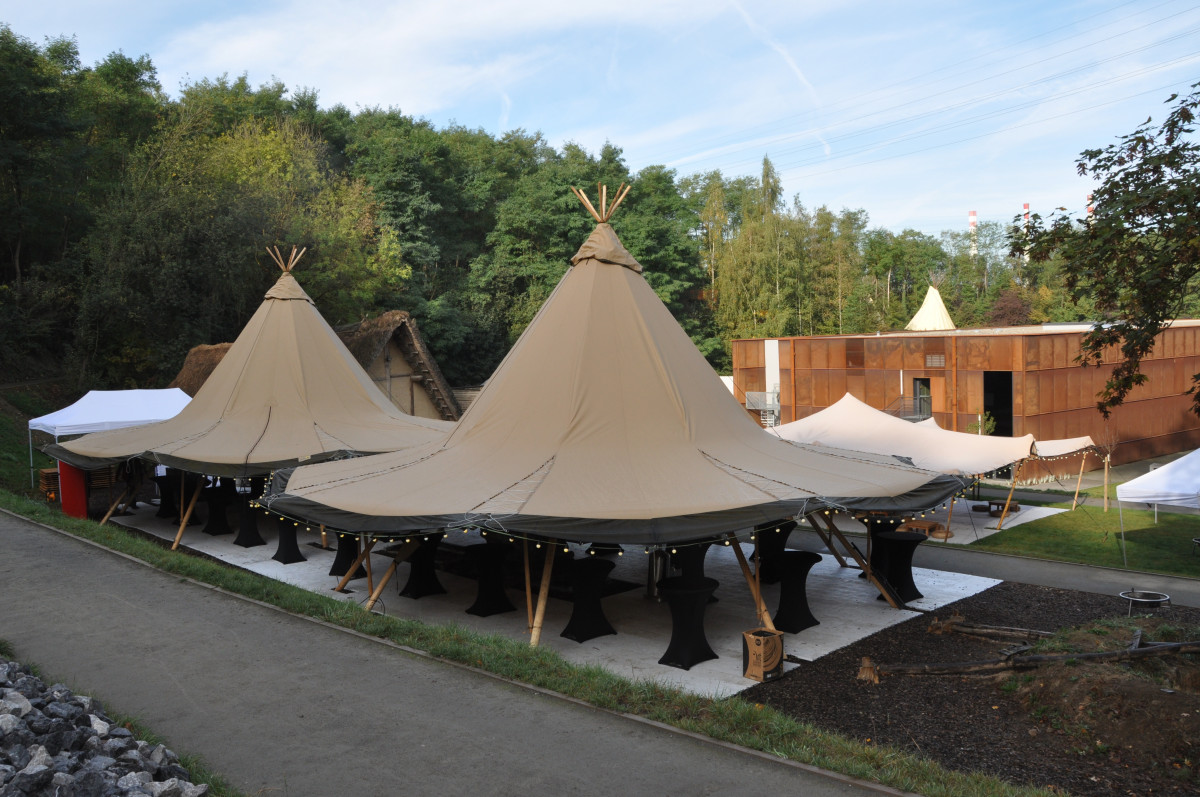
(1090, 535)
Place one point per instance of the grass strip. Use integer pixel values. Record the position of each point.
(731, 719)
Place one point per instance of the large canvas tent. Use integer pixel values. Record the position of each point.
(852, 424)
(286, 392)
(603, 423)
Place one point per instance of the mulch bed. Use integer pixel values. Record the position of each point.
(1095, 729)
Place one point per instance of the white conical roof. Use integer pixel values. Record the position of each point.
(604, 422)
(932, 316)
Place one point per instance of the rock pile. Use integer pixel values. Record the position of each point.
(53, 742)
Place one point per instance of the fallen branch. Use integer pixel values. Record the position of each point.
(956, 624)
(1030, 662)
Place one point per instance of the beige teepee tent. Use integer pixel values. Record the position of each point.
(286, 392)
(932, 316)
(603, 423)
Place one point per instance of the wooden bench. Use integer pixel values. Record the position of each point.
(930, 528)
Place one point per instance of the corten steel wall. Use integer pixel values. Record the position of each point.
(1052, 396)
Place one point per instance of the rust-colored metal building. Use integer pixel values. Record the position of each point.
(1026, 378)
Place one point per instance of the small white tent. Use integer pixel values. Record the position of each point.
(101, 410)
(1176, 483)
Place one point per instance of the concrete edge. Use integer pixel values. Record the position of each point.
(878, 788)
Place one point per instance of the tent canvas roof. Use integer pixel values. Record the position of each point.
(1176, 483)
(287, 391)
(932, 315)
(852, 424)
(100, 410)
(604, 422)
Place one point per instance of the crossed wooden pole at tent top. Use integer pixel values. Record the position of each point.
(606, 210)
(292, 260)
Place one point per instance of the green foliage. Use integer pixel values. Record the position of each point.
(986, 422)
(1137, 257)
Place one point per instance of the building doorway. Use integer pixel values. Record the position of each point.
(998, 400)
(922, 398)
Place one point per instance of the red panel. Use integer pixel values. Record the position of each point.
(72, 487)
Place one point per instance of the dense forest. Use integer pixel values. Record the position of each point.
(134, 226)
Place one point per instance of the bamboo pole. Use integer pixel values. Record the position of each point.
(399, 556)
(528, 588)
(358, 561)
(188, 514)
(1079, 483)
(1007, 501)
(113, 508)
(535, 633)
(764, 617)
(324, 537)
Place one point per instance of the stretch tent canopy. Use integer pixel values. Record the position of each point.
(603, 423)
(286, 392)
(854, 425)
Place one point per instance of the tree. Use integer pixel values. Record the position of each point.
(1137, 256)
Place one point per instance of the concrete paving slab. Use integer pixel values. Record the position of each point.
(845, 605)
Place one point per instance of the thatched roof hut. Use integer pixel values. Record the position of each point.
(389, 348)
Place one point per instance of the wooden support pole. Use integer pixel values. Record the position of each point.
(1007, 501)
(370, 575)
(387, 576)
(827, 539)
(358, 561)
(399, 556)
(528, 588)
(1079, 483)
(324, 537)
(188, 514)
(535, 633)
(113, 508)
(764, 617)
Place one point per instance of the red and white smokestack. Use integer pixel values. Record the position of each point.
(1090, 207)
(972, 221)
(1026, 214)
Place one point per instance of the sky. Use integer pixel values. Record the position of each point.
(916, 112)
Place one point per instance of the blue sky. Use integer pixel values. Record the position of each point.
(917, 112)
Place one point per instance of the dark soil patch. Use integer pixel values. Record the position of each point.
(1102, 729)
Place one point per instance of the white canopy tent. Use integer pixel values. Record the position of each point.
(101, 410)
(1176, 484)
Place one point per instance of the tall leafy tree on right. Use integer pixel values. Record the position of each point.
(1136, 257)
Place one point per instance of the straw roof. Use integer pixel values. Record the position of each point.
(604, 422)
